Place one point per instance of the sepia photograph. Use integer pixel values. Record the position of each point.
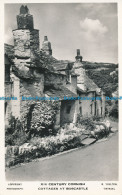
(61, 92)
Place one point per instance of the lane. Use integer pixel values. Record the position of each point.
(94, 163)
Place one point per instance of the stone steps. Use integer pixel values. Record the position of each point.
(88, 141)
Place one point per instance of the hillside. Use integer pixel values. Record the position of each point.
(105, 75)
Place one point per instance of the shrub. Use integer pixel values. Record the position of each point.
(86, 122)
(114, 111)
(15, 133)
(45, 147)
(43, 119)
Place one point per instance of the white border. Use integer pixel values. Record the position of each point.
(31, 187)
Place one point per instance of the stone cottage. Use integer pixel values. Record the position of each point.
(34, 72)
(87, 88)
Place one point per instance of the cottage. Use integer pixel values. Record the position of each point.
(31, 71)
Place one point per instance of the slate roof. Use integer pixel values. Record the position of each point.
(45, 61)
(80, 90)
(42, 60)
(9, 50)
(58, 91)
(51, 65)
(63, 65)
(89, 86)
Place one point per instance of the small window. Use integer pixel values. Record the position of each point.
(68, 109)
(101, 110)
(5, 107)
(80, 109)
(91, 108)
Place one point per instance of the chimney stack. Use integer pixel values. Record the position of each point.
(24, 19)
(26, 38)
(45, 38)
(78, 57)
(78, 52)
(46, 46)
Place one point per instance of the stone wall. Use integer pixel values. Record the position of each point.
(8, 103)
(87, 107)
(25, 42)
(46, 46)
(34, 40)
(81, 76)
(30, 89)
(22, 43)
(73, 85)
(25, 21)
(16, 93)
(7, 68)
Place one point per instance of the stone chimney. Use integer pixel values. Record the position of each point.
(80, 71)
(78, 52)
(45, 38)
(26, 38)
(78, 57)
(24, 19)
(46, 46)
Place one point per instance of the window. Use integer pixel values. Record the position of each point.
(91, 108)
(5, 107)
(101, 110)
(68, 109)
(80, 109)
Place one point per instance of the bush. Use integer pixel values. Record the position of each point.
(45, 147)
(114, 111)
(104, 80)
(15, 133)
(43, 119)
(88, 123)
(55, 144)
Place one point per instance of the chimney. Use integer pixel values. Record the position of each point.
(24, 9)
(45, 38)
(78, 57)
(78, 52)
(26, 38)
(24, 19)
(46, 46)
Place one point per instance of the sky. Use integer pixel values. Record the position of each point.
(90, 27)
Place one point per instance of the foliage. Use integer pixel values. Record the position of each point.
(111, 109)
(96, 65)
(86, 122)
(108, 83)
(114, 110)
(41, 147)
(39, 121)
(14, 132)
(43, 118)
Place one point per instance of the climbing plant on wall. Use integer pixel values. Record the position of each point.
(43, 118)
